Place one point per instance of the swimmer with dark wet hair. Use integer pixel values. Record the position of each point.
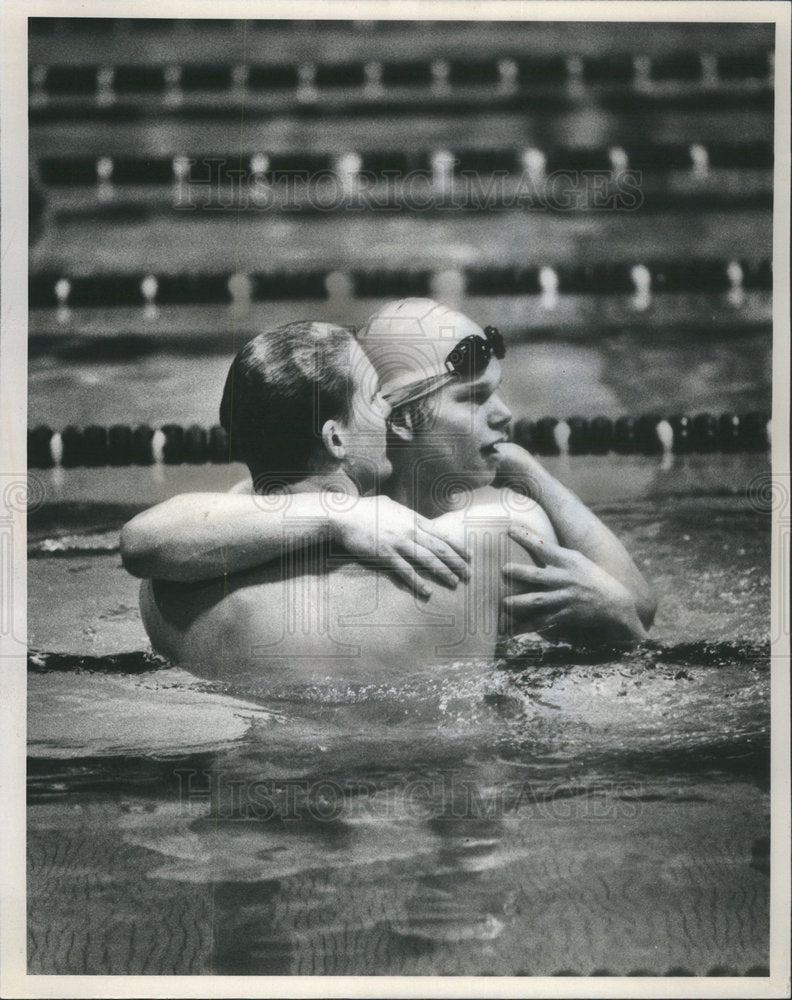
(551, 568)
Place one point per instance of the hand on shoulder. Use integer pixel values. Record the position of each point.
(378, 531)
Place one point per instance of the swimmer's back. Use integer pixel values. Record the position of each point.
(316, 615)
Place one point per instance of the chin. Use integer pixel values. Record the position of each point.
(486, 478)
(373, 483)
(486, 467)
(478, 478)
(385, 471)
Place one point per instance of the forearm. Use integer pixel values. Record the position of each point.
(616, 633)
(625, 628)
(579, 528)
(611, 620)
(198, 536)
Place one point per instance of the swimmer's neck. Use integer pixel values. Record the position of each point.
(406, 490)
(336, 481)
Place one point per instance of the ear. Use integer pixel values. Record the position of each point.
(334, 438)
(401, 426)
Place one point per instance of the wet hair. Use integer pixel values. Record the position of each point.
(281, 388)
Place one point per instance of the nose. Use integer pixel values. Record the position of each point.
(500, 414)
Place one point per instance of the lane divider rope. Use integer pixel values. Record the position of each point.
(639, 280)
(504, 73)
(121, 445)
(261, 167)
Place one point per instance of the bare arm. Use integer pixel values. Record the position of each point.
(200, 536)
(576, 526)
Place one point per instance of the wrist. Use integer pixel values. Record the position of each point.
(617, 623)
(518, 468)
(631, 625)
(531, 475)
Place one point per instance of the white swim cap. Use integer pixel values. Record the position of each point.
(408, 341)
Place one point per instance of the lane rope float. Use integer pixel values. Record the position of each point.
(728, 277)
(121, 445)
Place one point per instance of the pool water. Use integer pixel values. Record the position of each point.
(561, 810)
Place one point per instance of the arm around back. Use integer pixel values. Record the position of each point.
(199, 536)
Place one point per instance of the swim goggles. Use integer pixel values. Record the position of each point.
(467, 360)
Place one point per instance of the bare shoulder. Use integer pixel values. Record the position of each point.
(244, 486)
(492, 507)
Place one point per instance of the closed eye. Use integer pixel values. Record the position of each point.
(479, 392)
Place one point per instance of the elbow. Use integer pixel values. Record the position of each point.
(643, 596)
(138, 550)
(646, 606)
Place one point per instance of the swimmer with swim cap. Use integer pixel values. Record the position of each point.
(439, 373)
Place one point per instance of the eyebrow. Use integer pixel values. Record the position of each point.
(479, 386)
(473, 391)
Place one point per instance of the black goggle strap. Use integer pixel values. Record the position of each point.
(410, 393)
(467, 359)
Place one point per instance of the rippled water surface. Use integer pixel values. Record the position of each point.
(558, 811)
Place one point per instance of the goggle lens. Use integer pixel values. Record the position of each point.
(468, 360)
(470, 357)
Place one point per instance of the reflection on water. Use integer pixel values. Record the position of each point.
(574, 816)
(562, 810)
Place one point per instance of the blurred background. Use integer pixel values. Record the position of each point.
(601, 192)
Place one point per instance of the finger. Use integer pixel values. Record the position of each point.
(424, 558)
(424, 524)
(547, 625)
(541, 576)
(548, 553)
(445, 553)
(407, 574)
(536, 601)
(514, 623)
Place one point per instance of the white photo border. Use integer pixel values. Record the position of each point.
(14, 980)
